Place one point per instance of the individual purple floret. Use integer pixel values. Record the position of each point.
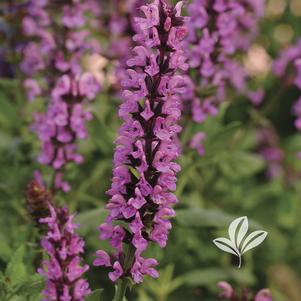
(197, 143)
(52, 62)
(219, 31)
(63, 269)
(228, 293)
(144, 169)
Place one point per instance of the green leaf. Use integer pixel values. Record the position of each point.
(16, 270)
(203, 217)
(134, 172)
(8, 113)
(5, 250)
(208, 276)
(90, 220)
(240, 164)
(200, 217)
(221, 138)
(2, 288)
(31, 286)
(6, 141)
(95, 296)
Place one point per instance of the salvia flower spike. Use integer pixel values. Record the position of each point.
(52, 63)
(219, 31)
(63, 269)
(144, 173)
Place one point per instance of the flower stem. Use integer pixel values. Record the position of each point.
(120, 290)
(124, 282)
(239, 264)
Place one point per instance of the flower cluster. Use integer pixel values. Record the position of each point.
(63, 270)
(144, 169)
(291, 58)
(219, 31)
(228, 293)
(52, 62)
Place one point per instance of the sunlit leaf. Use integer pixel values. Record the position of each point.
(15, 270)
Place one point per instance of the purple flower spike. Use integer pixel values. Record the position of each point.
(52, 62)
(144, 171)
(63, 269)
(218, 31)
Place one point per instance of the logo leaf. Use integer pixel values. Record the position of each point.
(226, 245)
(235, 230)
(253, 240)
(242, 231)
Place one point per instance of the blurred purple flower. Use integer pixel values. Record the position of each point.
(197, 143)
(270, 150)
(263, 295)
(228, 293)
(52, 62)
(289, 61)
(226, 290)
(32, 88)
(218, 31)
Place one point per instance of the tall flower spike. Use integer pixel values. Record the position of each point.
(63, 270)
(52, 62)
(144, 169)
(218, 32)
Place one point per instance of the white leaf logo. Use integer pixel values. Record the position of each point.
(238, 244)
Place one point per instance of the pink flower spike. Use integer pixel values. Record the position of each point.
(147, 147)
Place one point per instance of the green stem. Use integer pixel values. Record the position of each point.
(124, 282)
(121, 290)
